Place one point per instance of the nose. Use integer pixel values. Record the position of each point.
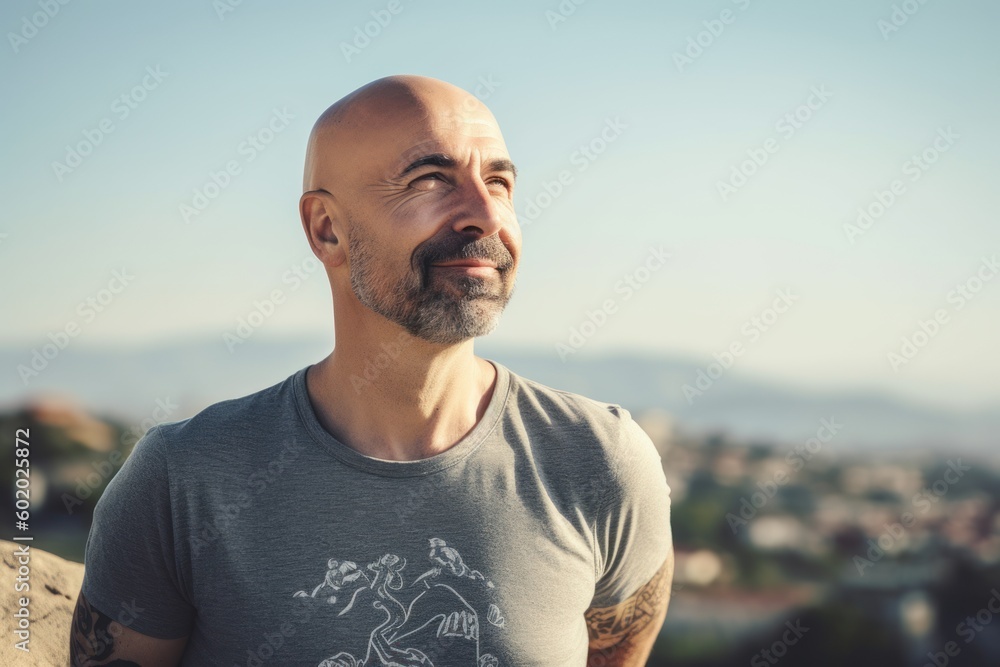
(482, 213)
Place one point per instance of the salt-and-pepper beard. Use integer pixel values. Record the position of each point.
(420, 301)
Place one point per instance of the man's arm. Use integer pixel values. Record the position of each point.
(96, 639)
(623, 635)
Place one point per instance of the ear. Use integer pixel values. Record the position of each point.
(322, 222)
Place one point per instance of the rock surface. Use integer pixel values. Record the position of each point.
(54, 584)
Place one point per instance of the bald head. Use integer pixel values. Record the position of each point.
(409, 204)
(384, 119)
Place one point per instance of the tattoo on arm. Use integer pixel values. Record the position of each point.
(92, 638)
(615, 626)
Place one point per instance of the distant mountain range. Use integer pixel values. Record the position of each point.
(127, 383)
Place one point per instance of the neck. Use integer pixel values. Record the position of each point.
(392, 396)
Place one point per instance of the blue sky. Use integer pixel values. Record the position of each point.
(683, 128)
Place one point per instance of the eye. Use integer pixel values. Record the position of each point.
(426, 182)
(502, 181)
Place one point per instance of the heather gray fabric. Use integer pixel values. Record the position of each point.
(253, 529)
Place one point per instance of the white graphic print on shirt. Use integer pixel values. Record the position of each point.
(420, 621)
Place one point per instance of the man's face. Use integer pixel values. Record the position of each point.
(439, 190)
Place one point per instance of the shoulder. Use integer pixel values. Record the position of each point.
(562, 407)
(244, 419)
(605, 431)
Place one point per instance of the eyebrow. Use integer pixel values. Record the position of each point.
(444, 160)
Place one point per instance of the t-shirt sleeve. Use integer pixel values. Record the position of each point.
(131, 573)
(633, 523)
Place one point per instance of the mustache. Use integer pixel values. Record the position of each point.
(451, 248)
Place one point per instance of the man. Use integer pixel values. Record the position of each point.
(401, 502)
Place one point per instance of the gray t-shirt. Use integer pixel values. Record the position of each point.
(251, 528)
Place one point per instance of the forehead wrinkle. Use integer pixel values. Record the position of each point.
(490, 151)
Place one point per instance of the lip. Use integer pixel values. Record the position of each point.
(477, 270)
(467, 263)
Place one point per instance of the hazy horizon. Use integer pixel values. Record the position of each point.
(825, 109)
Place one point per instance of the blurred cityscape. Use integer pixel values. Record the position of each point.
(861, 559)
(783, 550)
